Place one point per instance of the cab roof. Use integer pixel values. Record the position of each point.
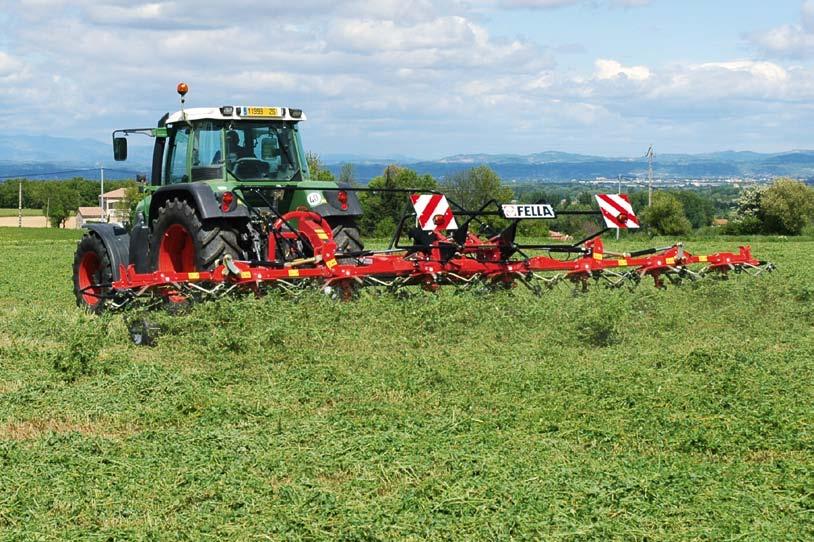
(238, 112)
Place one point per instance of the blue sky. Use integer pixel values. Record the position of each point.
(426, 78)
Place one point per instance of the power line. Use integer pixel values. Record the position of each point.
(25, 175)
(18, 176)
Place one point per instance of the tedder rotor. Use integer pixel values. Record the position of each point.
(434, 245)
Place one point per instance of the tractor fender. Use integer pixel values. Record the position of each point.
(200, 195)
(117, 242)
(333, 207)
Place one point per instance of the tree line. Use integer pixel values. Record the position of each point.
(784, 207)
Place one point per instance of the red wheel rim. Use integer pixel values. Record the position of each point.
(176, 254)
(88, 273)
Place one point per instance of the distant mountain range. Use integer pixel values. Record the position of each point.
(49, 157)
(554, 166)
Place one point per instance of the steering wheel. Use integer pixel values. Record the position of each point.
(251, 167)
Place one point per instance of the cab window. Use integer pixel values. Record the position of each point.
(177, 170)
(207, 154)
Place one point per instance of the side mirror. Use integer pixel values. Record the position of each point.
(120, 149)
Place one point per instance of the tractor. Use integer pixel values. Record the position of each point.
(210, 167)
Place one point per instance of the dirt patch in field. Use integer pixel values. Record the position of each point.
(34, 222)
(34, 429)
(9, 386)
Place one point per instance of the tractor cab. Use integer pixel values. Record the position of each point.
(234, 143)
(229, 143)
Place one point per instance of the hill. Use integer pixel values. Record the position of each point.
(34, 155)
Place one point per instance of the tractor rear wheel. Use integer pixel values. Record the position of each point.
(346, 235)
(181, 242)
(92, 273)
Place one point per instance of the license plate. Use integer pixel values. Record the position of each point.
(260, 112)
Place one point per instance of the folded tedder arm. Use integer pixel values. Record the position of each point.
(443, 250)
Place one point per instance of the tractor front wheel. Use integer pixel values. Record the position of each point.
(181, 242)
(92, 273)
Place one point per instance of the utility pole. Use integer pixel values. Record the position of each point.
(20, 204)
(650, 154)
(102, 188)
(48, 211)
(618, 191)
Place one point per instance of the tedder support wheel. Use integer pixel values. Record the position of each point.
(92, 273)
(346, 235)
(181, 242)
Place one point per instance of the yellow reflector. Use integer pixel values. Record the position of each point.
(193, 276)
(598, 256)
(245, 274)
(621, 263)
(702, 258)
(331, 263)
(293, 272)
(671, 261)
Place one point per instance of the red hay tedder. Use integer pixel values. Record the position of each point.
(298, 250)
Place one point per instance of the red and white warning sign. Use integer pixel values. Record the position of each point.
(433, 212)
(617, 211)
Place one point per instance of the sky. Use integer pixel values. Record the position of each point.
(426, 78)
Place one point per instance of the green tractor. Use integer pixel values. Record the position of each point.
(219, 175)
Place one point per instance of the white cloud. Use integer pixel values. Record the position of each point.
(789, 40)
(9, 65)
(611, 69)
(428, 74)
(553, 4)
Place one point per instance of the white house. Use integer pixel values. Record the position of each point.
(87, 215)
(110, 202)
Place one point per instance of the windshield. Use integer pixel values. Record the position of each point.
(264, 150)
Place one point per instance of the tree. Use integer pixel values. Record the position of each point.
(700, 210)
(787, 207)
(383, 210)
(61, 201)
(586, 198)
(666, 215)
(317, 169)
(748, 216)
(127, 206)
(472, 188)
(347, 175)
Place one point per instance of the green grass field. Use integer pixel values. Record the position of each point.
(685, 414)
(14, 212)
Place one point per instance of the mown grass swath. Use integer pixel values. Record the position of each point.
(672, 414)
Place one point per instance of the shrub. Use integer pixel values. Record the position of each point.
(666, 216)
